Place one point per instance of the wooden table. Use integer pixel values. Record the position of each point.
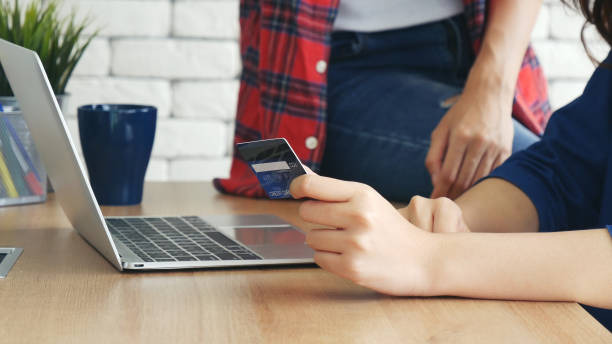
(62, 291)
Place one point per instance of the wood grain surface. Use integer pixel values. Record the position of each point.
(62, 291)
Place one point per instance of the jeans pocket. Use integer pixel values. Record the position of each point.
(453, 42)
(459, 46)
(345, 44)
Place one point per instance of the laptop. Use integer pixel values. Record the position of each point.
(139, 243)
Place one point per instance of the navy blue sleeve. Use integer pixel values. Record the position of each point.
(564, 173)
(609, 229)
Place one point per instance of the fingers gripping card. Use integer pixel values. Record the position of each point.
(274, 163)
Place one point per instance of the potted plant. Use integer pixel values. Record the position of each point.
(59, 41)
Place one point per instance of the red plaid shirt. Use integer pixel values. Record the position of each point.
(285, 50)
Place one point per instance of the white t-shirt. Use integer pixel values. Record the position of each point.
(380, 15)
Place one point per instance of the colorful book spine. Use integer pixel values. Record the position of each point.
(11, 191)
(12, 163)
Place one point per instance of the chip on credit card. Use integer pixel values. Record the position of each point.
(274, 163)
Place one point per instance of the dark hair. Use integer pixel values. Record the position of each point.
(597, 13)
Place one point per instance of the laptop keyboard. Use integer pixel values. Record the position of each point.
(170, 239)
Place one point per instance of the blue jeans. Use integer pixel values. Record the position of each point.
(386, 93)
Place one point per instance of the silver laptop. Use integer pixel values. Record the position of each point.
(139, 243)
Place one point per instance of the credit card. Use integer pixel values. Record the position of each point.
(274, 163)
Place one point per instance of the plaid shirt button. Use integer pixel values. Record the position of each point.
(321, 67)
(312, 142)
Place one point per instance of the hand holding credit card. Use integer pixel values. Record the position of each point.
(274, 163)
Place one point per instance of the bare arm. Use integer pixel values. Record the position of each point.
(562, 266)
(496, 205)
(476, 134)
(363, 233)
(508, 32)
(523, 266)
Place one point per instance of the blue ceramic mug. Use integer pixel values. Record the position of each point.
(117, 142)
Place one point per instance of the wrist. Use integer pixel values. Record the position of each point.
(491, 82)
(437, 269)
(447, 275)
(493, 97)
(492, 75)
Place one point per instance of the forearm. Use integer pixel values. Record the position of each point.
(506, 38)
(496, 205)
(563, 266)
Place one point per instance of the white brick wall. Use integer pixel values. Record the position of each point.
(183, 57)
(556, 40)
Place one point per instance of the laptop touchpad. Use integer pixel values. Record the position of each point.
(272, 242)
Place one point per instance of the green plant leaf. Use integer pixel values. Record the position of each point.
(59, 40)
